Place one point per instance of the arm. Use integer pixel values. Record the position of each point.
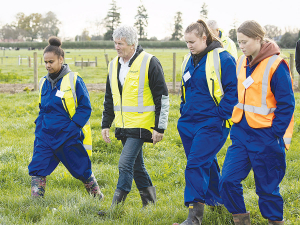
(297, 57)
(281, 86)
(160, 95)
(229, 83)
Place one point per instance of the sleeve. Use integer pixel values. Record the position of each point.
(108, 114)
(160, 94)
(84, 109)
(281, 86)
(297, 57)
(229, 83)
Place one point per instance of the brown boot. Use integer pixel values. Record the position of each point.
(241, 219)
(195, 216)
(276, 222)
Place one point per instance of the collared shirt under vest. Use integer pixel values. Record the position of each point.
(258, 101)
(134, 108)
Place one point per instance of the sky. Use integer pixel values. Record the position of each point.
(78, 15)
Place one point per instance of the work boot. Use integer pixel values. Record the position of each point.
(119, 197)
(241, 219)
(92, 187)
(195, 216)
(148, 195)
(276, 222)
(38, 185)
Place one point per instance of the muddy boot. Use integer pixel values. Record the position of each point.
(38, 185)
(275, 222)
(195, 216)
(241, 219)
(92, 187)
(119, 197)
(148, 195)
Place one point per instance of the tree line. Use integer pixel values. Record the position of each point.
(37, 26)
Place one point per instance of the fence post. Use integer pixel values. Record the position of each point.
(82, 63)
(106, 59)
(35, 66)
(21, 60)
(96, 60)
(174, 71)
(29, 61)
(292, 64)
(18, 60)
(41, 60)
(75, 61)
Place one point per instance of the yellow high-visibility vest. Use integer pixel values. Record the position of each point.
(69, 102)
(135, 108)
(213, 76)
(229, 45)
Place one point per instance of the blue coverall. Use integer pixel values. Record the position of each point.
(202, 129)
(58, 137)
(262, 150)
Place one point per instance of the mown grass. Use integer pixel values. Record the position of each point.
(9, 66)
(66, 200)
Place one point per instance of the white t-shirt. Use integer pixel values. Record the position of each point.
(124, 69)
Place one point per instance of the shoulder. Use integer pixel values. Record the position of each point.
(227, 58)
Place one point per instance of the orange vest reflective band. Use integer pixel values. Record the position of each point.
(258, 101)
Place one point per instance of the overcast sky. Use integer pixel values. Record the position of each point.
(77, 15)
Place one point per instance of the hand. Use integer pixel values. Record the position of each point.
(105, 135)
(156, 137)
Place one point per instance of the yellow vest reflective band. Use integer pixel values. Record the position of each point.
(69, 102)
(258, 103)
(229, 45)
(213, 76)
(135, 107)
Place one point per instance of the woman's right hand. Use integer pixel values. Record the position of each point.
(105, 135)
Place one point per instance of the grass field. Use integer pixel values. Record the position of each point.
(66, 200)
(11, 72)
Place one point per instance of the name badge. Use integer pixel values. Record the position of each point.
(60, 94)
(247, 83)
(186, 76)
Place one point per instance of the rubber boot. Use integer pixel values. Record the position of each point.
(38, 185)
(148, 195)
(119, 197)
(92, 187)
(275, 222)
(195, 216)
(241, 219)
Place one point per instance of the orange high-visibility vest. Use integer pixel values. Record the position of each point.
(257, 101)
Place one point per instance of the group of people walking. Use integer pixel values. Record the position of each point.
(252, 99)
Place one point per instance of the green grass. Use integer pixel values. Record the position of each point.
(66, 200)
(24, 74)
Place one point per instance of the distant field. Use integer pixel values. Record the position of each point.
(11, 72)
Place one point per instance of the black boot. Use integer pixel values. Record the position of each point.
(195, 216)
(119, 197)
(148, 195)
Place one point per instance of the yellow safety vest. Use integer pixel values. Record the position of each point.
(135, 108)
(229, 45)
(69, 102)
(213, 76)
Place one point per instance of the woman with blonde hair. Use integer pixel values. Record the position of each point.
(263, 126)
(208, 97)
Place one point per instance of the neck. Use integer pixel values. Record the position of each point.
(128, 57)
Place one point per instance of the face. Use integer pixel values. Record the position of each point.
(53, 63)
(124, 50)
(249, 46)
(195, 44)
(215, 32)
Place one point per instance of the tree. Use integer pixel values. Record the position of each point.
(49, 26)
(112, 20)
(141, 22)
(30, 26)
(232, 35)
(9, 32)
(288, 40)
(85, 35)
(272, 31)
(204, 11)
(177, 35)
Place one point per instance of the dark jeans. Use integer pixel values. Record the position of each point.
(131, 166)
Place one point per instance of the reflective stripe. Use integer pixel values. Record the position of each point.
(71, 77)
(254, 109)
(185, 62)
(263, 110)
(287, 141)
(240, 65)
(41, 83)
(88, 147)
(88, 122)
(217, 68)
(149, 108)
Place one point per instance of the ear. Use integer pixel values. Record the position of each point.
(204, 38)
(61, 59)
